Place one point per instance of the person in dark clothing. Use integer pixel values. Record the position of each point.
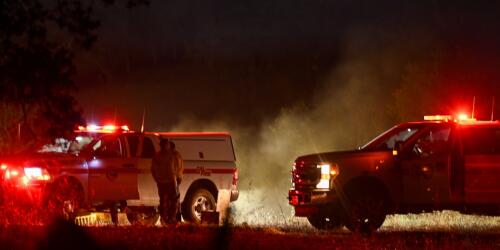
(163, 169)
(179, 166)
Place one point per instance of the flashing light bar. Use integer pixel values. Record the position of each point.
(103, 129)
(457, 118)
(438, 118)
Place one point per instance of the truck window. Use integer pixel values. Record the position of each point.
(387, 140)
(108, 147)
(133, 144)
(148, 149)
(434, 141)
(481, 141)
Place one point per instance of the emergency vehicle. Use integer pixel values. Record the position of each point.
(440, 163)
(109, 167)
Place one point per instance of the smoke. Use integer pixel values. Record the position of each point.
(352, 106)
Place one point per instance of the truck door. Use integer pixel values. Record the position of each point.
(481, 156)
(112, 172)
(147, 185)
(425, 167)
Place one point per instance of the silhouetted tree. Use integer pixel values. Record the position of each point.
(38, 40)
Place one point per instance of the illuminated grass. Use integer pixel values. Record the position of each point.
(445, 221)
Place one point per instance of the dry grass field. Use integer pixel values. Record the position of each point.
(439, 230)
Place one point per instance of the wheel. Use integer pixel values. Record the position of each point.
(197, 202)
(144, 216)
(324, 222)
(65, 199)
(367, 209)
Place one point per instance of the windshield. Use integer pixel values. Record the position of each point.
(70, 146)
(386, 140)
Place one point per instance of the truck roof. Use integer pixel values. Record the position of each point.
(189, 134)
(462, 123)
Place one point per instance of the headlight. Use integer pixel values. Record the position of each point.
(328, 172)
(20, 176)
(36, 173)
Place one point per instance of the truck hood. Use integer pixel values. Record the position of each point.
(42, 159)
(339, 156)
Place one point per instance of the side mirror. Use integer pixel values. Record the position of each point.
(105, 154)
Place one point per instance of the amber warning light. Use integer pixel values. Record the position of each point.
(457, 118)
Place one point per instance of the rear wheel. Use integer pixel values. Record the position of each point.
(197, 202)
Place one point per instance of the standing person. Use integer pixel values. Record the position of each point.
(163, 169)
(179, 166)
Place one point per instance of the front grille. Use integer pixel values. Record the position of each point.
(306, 176)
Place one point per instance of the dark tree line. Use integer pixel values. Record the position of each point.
(38, 41)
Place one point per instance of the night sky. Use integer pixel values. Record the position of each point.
(243, 62)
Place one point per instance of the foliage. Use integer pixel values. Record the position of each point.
(38, 40)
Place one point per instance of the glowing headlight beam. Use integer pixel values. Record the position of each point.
(324, 182)
(328, 172)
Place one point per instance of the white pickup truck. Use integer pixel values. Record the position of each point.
(113, 169)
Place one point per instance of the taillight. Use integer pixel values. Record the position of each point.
(235, 177)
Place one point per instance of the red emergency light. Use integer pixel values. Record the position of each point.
(109, 128)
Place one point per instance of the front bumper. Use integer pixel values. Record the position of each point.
(31, 195)
(308, 202)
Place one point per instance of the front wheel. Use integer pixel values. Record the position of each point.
(197, 202)
(367, 210)
(323, 222)
(65, 199)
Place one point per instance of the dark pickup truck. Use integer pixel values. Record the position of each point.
(436, 164)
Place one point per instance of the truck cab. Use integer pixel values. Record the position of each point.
(436, 164)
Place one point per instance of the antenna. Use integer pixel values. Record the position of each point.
(492, 107)
(473, 106)
(142, 124)
(19, 132)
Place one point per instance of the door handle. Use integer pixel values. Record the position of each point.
(426, 171)
(128, 165)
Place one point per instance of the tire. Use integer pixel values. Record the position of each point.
(368, 207)
(196, 202)
(144, 216)
(323, 222)
(64, 200)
